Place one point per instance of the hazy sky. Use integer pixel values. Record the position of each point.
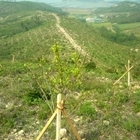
(51, 1)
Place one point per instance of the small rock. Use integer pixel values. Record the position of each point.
(138, 114)
(77, 119)
(16, 134)
(64, 139)
(95, 101)
(9, 105)
(37, 122)
(81, 133)
(63, 132)
(76, 95)
(21, 132)
(14, 130)
(105, 122)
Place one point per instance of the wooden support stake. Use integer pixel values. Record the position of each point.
(13, 58)
(46, 126)
(123, 75)
(58, 111)
(71, 125)
(128, 73)
(58, 118)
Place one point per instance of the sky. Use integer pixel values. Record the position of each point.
(48, 1)
(42, 0)
(51, 1)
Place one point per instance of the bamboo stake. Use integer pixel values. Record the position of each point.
(128, 73)
(58, 111)
(13, 58)
(123, 75)
(71, 125)
(58, 118)
(46, 126)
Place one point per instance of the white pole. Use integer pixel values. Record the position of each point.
(13, 59)
(128, 73)
(58, 118)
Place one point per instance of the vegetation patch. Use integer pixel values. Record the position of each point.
(86, 109)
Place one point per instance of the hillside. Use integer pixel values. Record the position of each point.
(16, 7)
(124, 12)
(44, 52)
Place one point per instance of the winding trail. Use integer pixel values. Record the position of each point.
(68, 37)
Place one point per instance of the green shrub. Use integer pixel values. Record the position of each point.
(122, 98)
(136, 106)
(119, 37)
(44, 112)
(35, 96)
(86, 109)
(101, 104)
(90, 65)
(132, 125)
(136, 101)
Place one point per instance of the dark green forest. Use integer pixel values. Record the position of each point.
(119, 37)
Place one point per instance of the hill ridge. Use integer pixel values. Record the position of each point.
(68, 37)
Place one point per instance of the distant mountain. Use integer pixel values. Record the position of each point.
(25, 6)
(121, 7)
(113, 1)
(90, 0)
(121, 0)
(85, 0)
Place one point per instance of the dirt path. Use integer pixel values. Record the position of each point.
(75, 45)
(68, 37)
